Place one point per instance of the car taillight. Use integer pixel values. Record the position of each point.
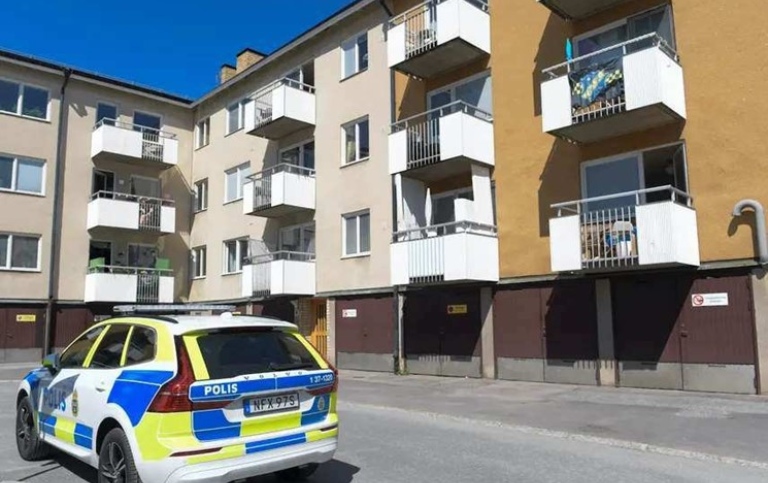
(173, 397)
(328, 389)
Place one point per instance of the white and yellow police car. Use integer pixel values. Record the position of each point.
(183, 398)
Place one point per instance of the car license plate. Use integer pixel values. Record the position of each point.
(268, 404)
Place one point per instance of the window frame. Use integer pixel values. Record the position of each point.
(236, 169)
(199, 208)
(20, 100)
(356, 123)
(355, 47)
(15, 174)
(302, 227)
(302, 150)
(7, 264)
(123, 358)
(196, 262)
(151, 114)
(203, 126)
(356, 215)
(97, 339)
(111, 104)
(241, 103)
(97, 345)
(238, 255)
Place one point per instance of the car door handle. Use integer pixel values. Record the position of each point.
(101, 387)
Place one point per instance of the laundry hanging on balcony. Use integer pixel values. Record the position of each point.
(597, 85)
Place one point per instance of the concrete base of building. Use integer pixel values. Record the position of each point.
(550, 370)
(651, 375)
(20, 355)
(365, 362)
(438, 365)
(727, 378)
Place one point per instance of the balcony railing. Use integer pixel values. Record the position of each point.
(612, 231)
(111, 283)
(281, 272)
(638, 73)
(433, 23)
(263, 184)
(150, 144)
(145, 212)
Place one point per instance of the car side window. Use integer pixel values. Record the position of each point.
(76, 353)
(110, 350)
(142, 346)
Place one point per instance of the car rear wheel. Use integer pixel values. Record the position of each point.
(300, 473)
(116, 463)
(28, 442)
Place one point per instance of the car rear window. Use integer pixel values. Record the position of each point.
(233, 353)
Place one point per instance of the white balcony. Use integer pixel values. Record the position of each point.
(453, 252)
(579, 9)
(455, 136)
(284, 107)
(126, 284)
(438, 36)
(131, 212)
(644, 228)
(601, 95)
(278, 191)
(279, 273)
(133, 143)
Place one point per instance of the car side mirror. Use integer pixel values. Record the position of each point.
(52, 362)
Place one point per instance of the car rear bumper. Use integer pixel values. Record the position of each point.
(256, 464)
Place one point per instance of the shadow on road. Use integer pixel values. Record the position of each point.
(334, 471)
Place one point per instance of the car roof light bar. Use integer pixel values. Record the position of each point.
(171, 309)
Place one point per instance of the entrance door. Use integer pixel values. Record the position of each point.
(319, 334)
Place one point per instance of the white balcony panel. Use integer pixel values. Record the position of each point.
(398, 152)
(128, 144)
(279, 277)
(281, 109)
(670, 234)
(654, 95)
(294, 190)
(578, 9)
(168, 219)
(565, 243)
(466, 136)
(126, 214)
(122, 288)
(279, 191)
(439, 35)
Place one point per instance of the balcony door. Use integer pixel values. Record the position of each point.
(475, 91)
(444, 208)
(143, 186)
(298, 238)
(103, 181)
(302, 155)
(141, 255)
(100, 250)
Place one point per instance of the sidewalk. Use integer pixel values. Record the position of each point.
(720, 425)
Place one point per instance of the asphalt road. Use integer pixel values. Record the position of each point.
(381, 445)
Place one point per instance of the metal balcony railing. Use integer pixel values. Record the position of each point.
(434, 231)
(152, 139)
(148, 279)
(150, 209)
(421, 25)
(597, 79)
(423, 131)
(262, 100)
(262, 182)
(609, 234)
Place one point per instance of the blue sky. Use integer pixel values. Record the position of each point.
(174, 45)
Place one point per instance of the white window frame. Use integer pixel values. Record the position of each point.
(238, 255)
(199, 262)
(356, 123)
(5, 265)
(356, 215)
(451, 88)
(20, 100)
(240, 115)
(203, 128)
(301, 145)
(235, 169)
(15, 173)
(302, 227)
(111, 104)
(355, 46)
(204, 184)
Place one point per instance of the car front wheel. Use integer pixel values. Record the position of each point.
(116, 463)
(28, 442)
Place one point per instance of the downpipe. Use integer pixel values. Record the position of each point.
(760, 233)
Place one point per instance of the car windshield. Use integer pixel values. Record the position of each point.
(235, 352)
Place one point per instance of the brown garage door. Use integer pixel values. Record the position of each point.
(21, 333)
(365, 333)
(441, 329)
(547, 333)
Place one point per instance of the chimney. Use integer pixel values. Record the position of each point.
(227, 72)
(247, 57)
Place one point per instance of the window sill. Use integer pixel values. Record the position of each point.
(233, 132)
(22, 116)
(200, 211)
(21, 270)
(355, 162)
(352, 76)
(232, 201)
(232, 273)
(23, 193)
(356, 255)
(203, 146)
(199, 278)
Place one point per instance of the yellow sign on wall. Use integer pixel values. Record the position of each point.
(457, 309)
(26, 318)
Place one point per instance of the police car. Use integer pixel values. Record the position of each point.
(158, 395)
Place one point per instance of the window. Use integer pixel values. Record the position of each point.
(106, 114)
(232, 352)
(302, 155)
(234, 180)
(110, 350)
(355, 142)
(22, 175)
(201, 195)
(354, 56)
(103, 181)
(235, 251)
(199, 262)
(236, 115)
(203, 134)
(444, 205)
(357, 233)
(24, 100)
(476, 91)
(75, 355)
(300, 238)
(142, 346)
(19, 252)
(147, 120)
